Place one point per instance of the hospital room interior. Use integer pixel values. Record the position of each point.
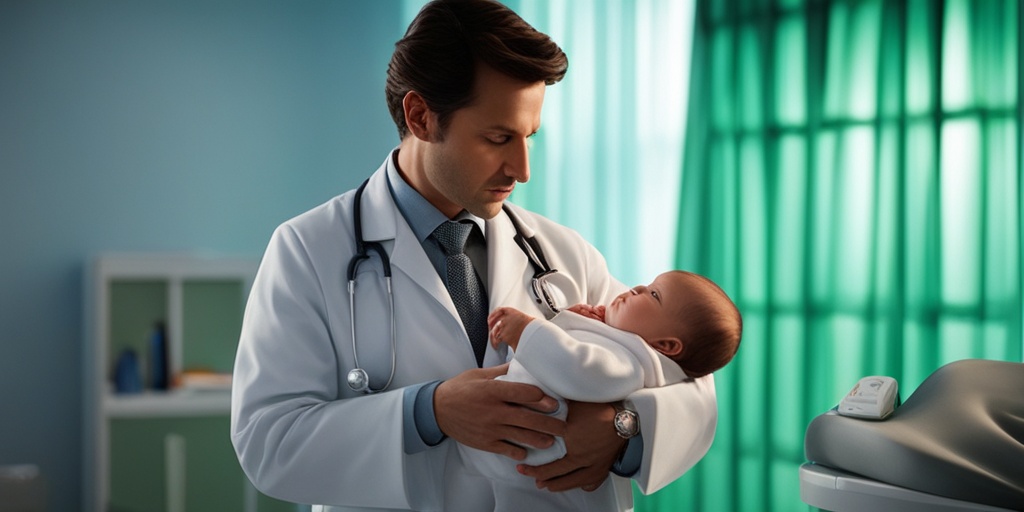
(848, 171)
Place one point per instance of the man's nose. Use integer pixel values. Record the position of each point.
(517, 165)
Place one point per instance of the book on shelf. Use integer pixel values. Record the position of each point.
(203, 380)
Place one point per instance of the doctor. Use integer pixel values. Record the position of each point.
(465, 87)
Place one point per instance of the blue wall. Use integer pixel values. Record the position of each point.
(130, 126)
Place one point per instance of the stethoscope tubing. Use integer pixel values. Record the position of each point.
(358, 379)
(362, 378)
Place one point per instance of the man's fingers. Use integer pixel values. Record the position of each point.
(587, 478)
(513, 439)
(507, 449)
(547, 471)
(478, 411)
(571, 481)
(527, 437)
(490, 372)
(525, 395)
(591, 445)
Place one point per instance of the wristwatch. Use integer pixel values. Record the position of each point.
(627, 422)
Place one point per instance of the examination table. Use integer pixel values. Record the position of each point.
(957, 443)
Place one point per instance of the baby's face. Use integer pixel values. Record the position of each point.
(649, 311)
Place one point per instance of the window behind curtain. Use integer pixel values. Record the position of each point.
(852, 180)
(607, 161)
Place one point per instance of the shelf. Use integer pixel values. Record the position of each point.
(131, 439)
(170, 404)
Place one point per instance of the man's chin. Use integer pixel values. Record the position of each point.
(487, 211)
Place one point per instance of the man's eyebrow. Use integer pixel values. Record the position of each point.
(508, 129)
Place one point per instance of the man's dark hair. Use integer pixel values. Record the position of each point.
(446, 42)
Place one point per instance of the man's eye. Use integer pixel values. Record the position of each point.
(500, 139)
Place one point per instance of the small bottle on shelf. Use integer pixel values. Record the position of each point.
(158, 357)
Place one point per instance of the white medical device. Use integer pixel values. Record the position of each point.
(873, 398)
(545, 293)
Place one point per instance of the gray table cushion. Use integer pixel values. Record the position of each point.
(960, 435)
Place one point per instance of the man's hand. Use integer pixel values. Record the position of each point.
(592, 448)
(483, 413)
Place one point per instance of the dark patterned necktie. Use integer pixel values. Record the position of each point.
(463, 284)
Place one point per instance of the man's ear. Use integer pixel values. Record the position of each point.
(671, 347)
(422, 122)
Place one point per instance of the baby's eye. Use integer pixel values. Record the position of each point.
(656, 295)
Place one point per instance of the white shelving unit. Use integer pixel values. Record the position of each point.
(200, 299)
(167, 404)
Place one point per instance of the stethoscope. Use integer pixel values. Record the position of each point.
(541, 286)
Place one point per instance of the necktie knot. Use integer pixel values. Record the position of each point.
(452, 236)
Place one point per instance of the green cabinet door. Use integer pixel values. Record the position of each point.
(202, 466)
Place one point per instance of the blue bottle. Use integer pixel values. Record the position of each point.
(158, 357)
(126, 374)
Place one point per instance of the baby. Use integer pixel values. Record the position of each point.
(680, 327)
(681, 315)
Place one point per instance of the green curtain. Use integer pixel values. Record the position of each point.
(853, 181)
(606, 161)
(850, 176)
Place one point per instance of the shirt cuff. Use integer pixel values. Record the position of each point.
(629, 463)
(420, 430)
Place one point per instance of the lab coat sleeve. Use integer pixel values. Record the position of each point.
(295, 437)
(678, 424)
(601, 370)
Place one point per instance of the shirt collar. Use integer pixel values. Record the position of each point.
(422, 216)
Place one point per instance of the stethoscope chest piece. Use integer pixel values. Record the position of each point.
(549, 290)
(358, 380)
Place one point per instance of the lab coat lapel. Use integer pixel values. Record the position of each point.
(383, 222)
(506, 262)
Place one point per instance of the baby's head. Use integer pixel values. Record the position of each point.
(683, 315)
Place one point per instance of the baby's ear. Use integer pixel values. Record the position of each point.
(671, 347)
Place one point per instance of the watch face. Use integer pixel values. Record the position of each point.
(626, 424)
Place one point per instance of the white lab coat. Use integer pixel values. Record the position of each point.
(576, 358)
(302, 435)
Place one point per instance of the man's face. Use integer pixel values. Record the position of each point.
(484, 151)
